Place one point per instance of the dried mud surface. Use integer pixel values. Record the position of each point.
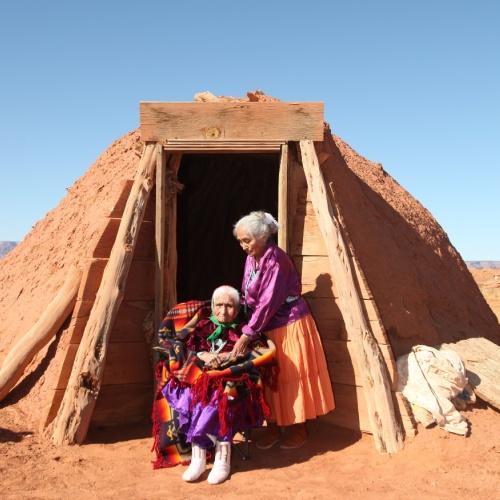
(488, 281)
(423, 289)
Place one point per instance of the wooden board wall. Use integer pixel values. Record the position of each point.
(307, 248)
(127, 388)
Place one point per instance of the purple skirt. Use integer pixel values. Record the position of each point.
(197, 421)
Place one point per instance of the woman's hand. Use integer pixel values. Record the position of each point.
(240, 346)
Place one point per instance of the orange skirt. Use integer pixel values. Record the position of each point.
(304, 390)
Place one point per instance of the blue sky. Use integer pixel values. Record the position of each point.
(412, 85)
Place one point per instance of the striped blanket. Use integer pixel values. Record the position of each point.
(180, 366)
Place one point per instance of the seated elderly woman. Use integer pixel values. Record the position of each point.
(211, 407)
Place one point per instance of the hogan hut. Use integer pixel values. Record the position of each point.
(149, 224)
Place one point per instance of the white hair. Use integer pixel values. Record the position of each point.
(260, 225)
(226, 290)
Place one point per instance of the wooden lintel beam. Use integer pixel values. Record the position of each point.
(231, 121)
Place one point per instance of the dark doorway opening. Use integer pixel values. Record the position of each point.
(218, 190)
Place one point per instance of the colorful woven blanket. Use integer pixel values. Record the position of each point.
(242, 379)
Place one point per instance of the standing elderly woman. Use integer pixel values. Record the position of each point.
(271, 296)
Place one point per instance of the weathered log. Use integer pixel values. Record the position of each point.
(161, 176)
(40, 333)
(172, 187)
(376, 383)
(283, 199)
(481, 358)
(74, 415)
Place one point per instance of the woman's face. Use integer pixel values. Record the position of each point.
(251, 245)
(224, 308)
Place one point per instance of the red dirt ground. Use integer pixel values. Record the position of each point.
(335, 463)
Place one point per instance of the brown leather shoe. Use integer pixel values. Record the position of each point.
(295, 437)
(269, 438)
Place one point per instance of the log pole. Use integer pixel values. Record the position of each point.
(172, 187)
(73, 418)
(49, 323)
(283, 199)
(161, 175)
(376, 383)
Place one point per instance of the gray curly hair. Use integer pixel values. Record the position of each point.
(260, 224)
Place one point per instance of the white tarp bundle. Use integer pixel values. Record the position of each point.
(430, 379)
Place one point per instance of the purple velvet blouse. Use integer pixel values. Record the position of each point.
(271, 293)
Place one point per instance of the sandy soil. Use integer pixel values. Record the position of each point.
(335, 463)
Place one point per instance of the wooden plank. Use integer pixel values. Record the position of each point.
(129, 324)
(307, 240)
(74, 415)
(77, 327)
(170, 278)
(140, 285)
(350, 408)
(316, 275)
(92, 279)
(481, 358)
(141, 281)
(119, 206)
(297, 187)
(82, 308)
(364, 288)
(333, 329)
(123, 404)
(409, 423)
(67, 366)
(351, 411)
(127, 363)
(326, 310)
(341, 358)
(161, 178)
(218, 143)
(143, 250)
(117, 404)
(283, 199)
(227, 121)
(223, 146)
(379, 332)
(383, 420)
(39, 335)
(371, 309)
(56, 396)
(107, 238)
(315, 272)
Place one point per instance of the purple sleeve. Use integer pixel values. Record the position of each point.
(269, 296)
